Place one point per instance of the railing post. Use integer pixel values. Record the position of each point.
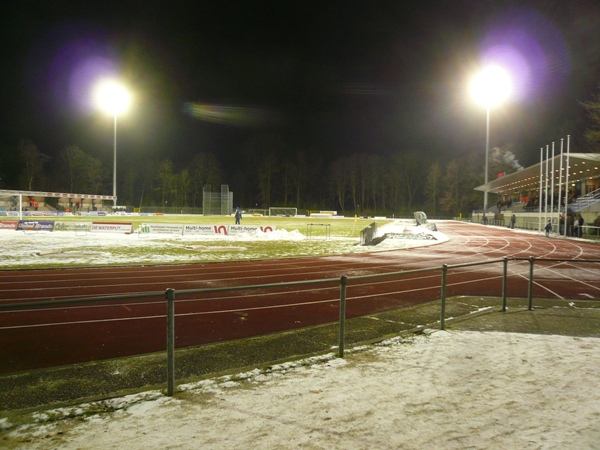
(530, 288)
(342, 335)
(504, 281)
(443, 308)
(170, 297)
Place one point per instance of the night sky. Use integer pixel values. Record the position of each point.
(330, 77)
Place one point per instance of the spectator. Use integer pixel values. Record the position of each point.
(548, 228)
(597, 225)
(561, 224)
(513, 219)
(238, 215)
(581, 222)
(570, 222)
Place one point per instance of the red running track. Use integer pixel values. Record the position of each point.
(57, 335)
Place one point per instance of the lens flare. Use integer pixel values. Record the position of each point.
(531, 48)
(231, 115)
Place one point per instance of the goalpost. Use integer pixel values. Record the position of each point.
(257, 212)
(283, 211)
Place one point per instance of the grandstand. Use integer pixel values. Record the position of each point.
(19, 203)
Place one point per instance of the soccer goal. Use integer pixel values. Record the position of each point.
(257, 212)
(283, 211)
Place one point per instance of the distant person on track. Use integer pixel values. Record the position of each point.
(238, 215)
(580, 222)
(484, 219)
(548, 228)
(513, 219)
(561, 224)
(570, 222)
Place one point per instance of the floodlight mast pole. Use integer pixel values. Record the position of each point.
(115, 162)
(489, 87)
(487, 153)
(113, 99)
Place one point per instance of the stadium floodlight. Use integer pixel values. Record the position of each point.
(113, 99)
(490, 87)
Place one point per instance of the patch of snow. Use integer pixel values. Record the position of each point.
(70, 247)
(450, 390)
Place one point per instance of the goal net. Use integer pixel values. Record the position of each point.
(257, 212)
(283, 211)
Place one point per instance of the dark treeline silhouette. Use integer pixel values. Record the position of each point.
(270, 173)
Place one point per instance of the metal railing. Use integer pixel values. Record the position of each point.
(345, 283)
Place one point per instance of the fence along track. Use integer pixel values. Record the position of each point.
(345, 282)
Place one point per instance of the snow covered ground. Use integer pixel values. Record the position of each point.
(69, 248)
(450, 390)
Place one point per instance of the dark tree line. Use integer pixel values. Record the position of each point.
(272, 175)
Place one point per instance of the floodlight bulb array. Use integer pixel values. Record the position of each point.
(112, 97)
(491, 86)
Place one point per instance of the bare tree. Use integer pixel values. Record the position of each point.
(204, 169)
(459, 179)
(410, 169)
(353, 168)
(451, 200)
(288, 174)
(267, 168)
(300, 174)
(80, 172)
(34, 162)
(339, 171)
(130, 181)
(165, 180)
(262, 154)
(592, 135)
(433, 186)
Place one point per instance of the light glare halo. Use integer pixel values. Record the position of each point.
(112, 97)
(491, 86)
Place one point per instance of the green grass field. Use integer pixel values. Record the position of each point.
(339, 227)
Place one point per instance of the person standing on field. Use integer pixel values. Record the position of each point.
(548, 228)
(238, 215)
(581, 222)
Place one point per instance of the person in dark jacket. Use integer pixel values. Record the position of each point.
(238, 215)
(548, 228)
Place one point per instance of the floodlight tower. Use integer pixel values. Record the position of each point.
(113, 99)
(490, 87)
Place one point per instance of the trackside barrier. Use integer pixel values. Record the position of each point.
(532, 261)
(170, 296)
(368, 234)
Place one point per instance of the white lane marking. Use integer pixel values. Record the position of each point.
(162, 317)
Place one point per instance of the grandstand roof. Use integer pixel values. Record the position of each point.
(4, 193)
(582, 166)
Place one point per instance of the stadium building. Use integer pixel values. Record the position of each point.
(567, 184)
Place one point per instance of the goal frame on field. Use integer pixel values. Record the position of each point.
(283, 211)
(257, 212)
